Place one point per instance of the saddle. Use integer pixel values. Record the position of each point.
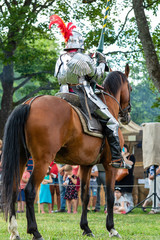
(90, 124)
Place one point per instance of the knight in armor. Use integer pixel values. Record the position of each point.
(76, 68)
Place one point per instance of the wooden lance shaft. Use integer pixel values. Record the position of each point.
(101, 41)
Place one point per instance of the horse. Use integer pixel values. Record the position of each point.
(48, 128)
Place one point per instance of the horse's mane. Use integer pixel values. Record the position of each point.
(113, 82)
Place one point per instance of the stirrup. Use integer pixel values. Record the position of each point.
(120, 163)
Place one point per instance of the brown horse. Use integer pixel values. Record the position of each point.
(48, 129)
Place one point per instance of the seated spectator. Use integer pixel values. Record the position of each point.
(45, 194)
(21, 195)
(54, 186)
(71, 194)
(126, 184)
(93, 188)
(119, 204)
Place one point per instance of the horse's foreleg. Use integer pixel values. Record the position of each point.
(110, 203)
(110, 182)
(85, 180)
(36, 178)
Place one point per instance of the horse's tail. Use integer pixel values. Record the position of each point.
(13, 145)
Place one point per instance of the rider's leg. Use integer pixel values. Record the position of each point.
(111, 126)
(111, 132)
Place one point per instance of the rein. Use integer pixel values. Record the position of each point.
(123, 111)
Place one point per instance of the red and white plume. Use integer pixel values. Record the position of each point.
(65, 30)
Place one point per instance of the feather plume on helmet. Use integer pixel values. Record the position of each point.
(65, 30)
(73, 39)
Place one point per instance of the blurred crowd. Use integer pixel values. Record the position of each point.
(61, 185)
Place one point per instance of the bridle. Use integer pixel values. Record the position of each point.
(127, 109)
(123, 113)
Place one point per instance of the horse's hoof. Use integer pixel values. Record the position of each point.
(15, 237)
(114, 233)
(88, 234)
(41, 238)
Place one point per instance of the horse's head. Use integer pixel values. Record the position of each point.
(117, 85)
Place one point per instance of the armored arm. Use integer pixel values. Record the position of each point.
(62, 72)
(84, 66)
(102, 66)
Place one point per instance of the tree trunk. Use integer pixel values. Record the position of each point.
(152, 62)
(7, 97)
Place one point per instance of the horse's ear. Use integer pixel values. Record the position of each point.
(127, 70)
(110, 69)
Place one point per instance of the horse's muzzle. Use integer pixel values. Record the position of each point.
(125, 119)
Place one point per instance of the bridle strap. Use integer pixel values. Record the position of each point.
(123, 111)
(105, 93)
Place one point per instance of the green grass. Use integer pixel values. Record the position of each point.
(62, 226)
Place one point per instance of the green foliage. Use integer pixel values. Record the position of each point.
(143, 100)
(156, 105)
(26, 45)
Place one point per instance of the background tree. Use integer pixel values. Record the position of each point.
(142, 99)
(152, 61)
(19, 50)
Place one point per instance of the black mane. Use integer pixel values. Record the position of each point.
(113, 82)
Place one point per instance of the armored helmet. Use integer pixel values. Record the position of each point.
(73, 39)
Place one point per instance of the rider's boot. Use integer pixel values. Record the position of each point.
(117, 159)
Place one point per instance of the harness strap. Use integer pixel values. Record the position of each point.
(97, 160)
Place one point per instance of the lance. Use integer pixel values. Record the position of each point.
(101, 41)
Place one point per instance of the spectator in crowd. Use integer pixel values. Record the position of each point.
(119, 202)
(54, 186)
(61, 187)
(0, 172)
(151, 177)
(45, 194)
(30, 165)
(101, 180)
(21, 195)
(126, 184)
(71, 193)
(0, 153)
(93, 188)
(76, 172)
(0, 149)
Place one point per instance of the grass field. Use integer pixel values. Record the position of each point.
(63, 226)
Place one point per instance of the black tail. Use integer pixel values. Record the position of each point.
(14, 137)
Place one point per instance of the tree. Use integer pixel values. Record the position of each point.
(142, 99)
(152, 61)
(18, 33)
